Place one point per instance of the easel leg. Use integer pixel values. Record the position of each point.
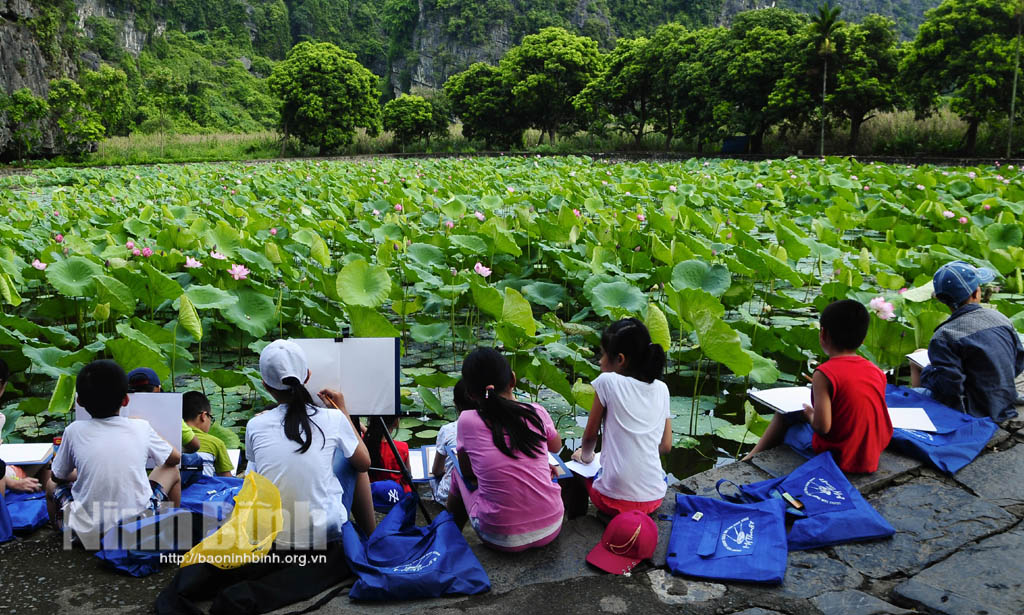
(401, 465)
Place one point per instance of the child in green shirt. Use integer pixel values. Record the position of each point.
(195, 409)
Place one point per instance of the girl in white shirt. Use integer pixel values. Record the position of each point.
(631, 406)
(294, 445)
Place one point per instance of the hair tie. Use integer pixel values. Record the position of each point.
(487, 391)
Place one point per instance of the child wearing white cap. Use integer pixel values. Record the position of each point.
(294, 445)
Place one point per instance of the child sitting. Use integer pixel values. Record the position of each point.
(632, 407)
(195, 409)
(381, 455)
(849, 416)
(975, 354)
(99, 472)
(294, 445)
(444, 459)
(503, 448)
(13, 477)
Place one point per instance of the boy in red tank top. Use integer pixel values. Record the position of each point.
(849, 415)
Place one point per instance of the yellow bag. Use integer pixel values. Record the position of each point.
(250, 532)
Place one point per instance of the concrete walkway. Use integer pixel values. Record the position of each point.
(958, 548)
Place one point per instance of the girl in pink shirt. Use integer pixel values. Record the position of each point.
(503, 486)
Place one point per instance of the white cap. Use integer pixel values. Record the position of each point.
(282, 359)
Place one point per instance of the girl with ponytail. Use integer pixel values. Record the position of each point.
(631, 408)
(503, 448)
(294, 446)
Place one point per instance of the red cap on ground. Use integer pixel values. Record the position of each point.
(630, 537)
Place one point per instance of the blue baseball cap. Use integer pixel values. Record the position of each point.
(955, 282)
(142, 377)
(386, 493)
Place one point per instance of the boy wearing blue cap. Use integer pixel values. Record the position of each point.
(976, 353)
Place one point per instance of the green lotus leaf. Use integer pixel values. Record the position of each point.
(74, 276)
(188, 317)
(583, 394)
(360, 283)
(516, 310)
(469, 244)
(209, 297)
(715, 279)
(48, 360)
(429, 333)
(162, 285)
(544, 293)
(229, 437)
(116, 293)
(1002, 236)
(436, 380)
(487, 298)
(63, 396)
(426, 255)
(130, 353)
(224, 239)
(431, 401)
(8, 292)
(367, 322)
(617, 299)
(764, 370)
(657, 324)
(254, 312)
(225, 378)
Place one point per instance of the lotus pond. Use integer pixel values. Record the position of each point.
(190, 270)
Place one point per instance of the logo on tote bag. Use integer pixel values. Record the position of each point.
(823, 491)
(920, 435)
(739, 537)
(419, 564)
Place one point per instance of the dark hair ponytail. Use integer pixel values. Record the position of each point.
(629, 337)
(486, 375)
(374, 438)
(296, 416)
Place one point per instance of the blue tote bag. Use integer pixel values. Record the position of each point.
(958, 438)
(6, 527)
(834, 511)
(27, 510)
(134, 546)
(403, 561)
(714, 539)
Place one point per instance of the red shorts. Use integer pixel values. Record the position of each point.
(611, 506)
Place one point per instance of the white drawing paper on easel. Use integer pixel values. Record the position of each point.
(364, 369)
(911, 418)
(161, 410)
(783, 399)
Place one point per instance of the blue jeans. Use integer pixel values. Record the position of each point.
(347, 476)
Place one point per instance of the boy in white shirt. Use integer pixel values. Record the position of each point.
(99, 471)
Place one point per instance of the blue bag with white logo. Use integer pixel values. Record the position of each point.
(403, 561)
(834, 512)
(721, 540)
(27, 510)
(958, 438)
(135, 545)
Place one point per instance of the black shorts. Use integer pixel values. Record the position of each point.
(3, 468)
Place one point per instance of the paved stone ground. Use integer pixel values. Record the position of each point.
(958, 549)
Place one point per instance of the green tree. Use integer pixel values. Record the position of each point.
(747, 66)
(23, 114)
(546, 72)
(409, 117)
(106, 92)
(80, 126)
(325, 94)
(823, 27)
(622, 92)
(481, 98)
(693, 84)
(964, 51)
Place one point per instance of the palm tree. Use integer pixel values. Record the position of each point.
(823, 25)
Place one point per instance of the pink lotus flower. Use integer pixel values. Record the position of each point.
(672, 188)
(239, 272)
(986, 207)
(129, 244)
(273, 231)
(576, 213)
(136, 252)
(147, 251)
(510, 189)
(882, 308)
(972, 174)
(759, 185)
(217, 255)
(449, 224)
(902, 290)
(637, 249)
(483, 271)
(38, 264)
(920, 186)
(641, 217)
(191, 263)
(962, 220)
(480, 216)
(398, 207)
(572, 173)
(866, 187)
(948, 214)
(59, 238)
(376, 212)
(729, 236)
(853, 177)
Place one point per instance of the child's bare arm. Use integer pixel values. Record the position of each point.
(820, 416)
(585, 453)
(666, 438)
(437, 470)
